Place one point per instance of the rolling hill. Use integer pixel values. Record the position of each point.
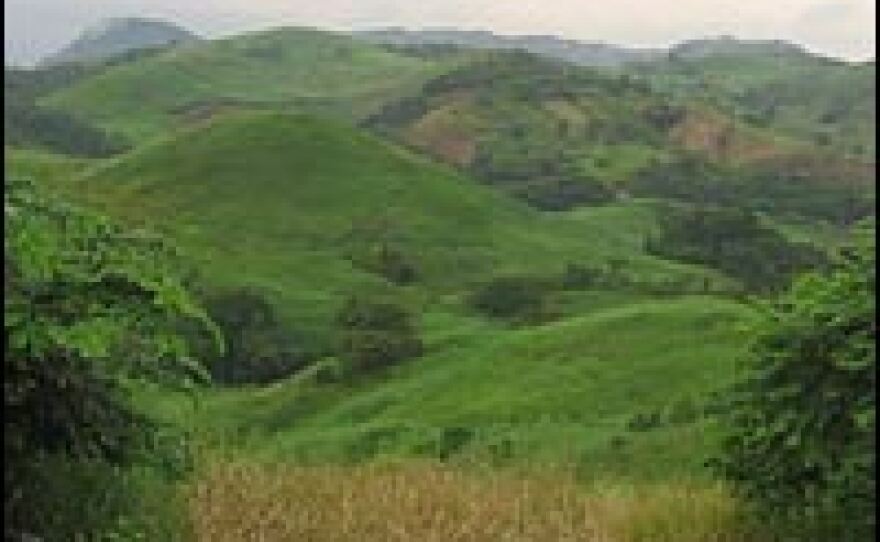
(290, 203)
(289, 68)
(573, 51)
(470, 263)
(559, 136)
(115, 37)
(776, 85)
(551, 133)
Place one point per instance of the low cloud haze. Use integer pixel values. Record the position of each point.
(842, 28)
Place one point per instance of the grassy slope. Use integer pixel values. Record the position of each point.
(269, 199)
(278, 200)
(561, 394)
(279, 68)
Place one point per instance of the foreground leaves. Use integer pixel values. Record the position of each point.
(803, 423)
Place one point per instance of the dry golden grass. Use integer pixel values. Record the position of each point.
(430, 503)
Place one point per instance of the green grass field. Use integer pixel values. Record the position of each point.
(559, 394)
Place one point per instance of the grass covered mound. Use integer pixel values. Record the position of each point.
(297, 206)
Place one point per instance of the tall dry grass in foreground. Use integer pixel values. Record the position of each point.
(430, 503)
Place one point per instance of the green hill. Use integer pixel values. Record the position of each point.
(285, 68)
(828, 102)
(553, 134)
(281, 202)
(118, 36)
(290, 204)
(559, 136)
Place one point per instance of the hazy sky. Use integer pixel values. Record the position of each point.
(842, 28)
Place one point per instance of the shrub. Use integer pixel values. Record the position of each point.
(735, 242)
(391, 263)
(89, 309)
(802, 427)
(520, 299)
(259, 349)
(580, 277)
(375, 333)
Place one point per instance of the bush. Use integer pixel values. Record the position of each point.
(94, 500)
(89, 309)
(259, 349)
(802, 423)
(391, 263)
(375, 333)
(734, 242)
(520, 299)
(580, 277)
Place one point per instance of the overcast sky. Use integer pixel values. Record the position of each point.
(843, 28)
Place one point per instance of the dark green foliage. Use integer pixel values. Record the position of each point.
(541, 177)
(375, 333)
(388, 261)
(259, 349)
(580, 277)
(94, 500)
(733, 241)
(89, 309)
(30, 126)
(27, 84)
(27, 124)
(513, 298)
(802, 426)
(800, 186)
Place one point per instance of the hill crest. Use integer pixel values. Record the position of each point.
(119, 35)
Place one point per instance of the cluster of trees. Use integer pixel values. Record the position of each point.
(735, 242)
(517, 299)
(375, 333)
(799, 186)
(259, 347)
(524, 299)
(802, 421)
(28, 125)
(543, 177)
(89, 310)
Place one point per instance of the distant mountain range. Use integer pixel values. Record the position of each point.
(581, 53)
(118, 36)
